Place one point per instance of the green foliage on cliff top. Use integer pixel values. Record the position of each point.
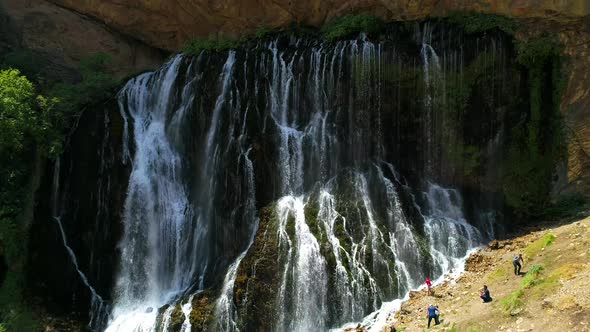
(97, 85)
(197, 45)
(477, 23)
(537, 51)
(350, 24)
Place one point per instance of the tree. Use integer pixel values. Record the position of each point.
(17, 114)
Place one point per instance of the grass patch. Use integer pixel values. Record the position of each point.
(347, 25)
(512, 302)
(552, 282)
(534, 248)
(500, 273)
(532, 276)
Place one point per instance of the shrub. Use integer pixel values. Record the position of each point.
(531, 277)
(537, 51)
(263, 32)
(477, 23)
(566, 206)
(350, 24)
(197, 45)
(96, 85)
(512, 302)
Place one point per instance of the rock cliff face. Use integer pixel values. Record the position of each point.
(132, 31)
(60, 26)
(576, 108)
(168, 24)
(64, 37)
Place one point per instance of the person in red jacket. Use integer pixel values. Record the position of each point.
(428, 285)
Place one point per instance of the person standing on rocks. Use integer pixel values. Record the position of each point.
(516, 262)
(428, 285)
(433, 313)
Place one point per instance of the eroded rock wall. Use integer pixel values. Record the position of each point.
(169, 24)
(64, 37)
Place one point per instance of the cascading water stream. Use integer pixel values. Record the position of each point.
(157, 211)
(299, 127)
(99, 309)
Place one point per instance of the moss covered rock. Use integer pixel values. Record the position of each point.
(258, 278)
(202, 315)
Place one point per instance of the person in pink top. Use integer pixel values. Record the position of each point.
(428, 284)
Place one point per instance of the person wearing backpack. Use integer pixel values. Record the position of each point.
(433, 313)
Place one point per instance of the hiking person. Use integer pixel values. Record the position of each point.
(433, 313)
(428, 285)
(485, 295)
(516, 262)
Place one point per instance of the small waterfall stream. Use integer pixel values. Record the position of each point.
(99, 309)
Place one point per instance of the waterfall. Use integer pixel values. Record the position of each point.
(319, 135)
(157, 213)
(99, 309)
(449, 234)
(305, 265)
(432, 79)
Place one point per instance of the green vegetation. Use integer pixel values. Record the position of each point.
(97, 84)
(500, 273)
(460, 89)
(23, 113)
(257, 277)
(263, 32)
(25, 128)
(477, 23)
(34, 116)
(536, 142)
(536, 247)
(566, 207)
(350, 24)
(532, 280)
(197, 45)
(531, 276)
(340, 28)
(512, 302)
(551, 283)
